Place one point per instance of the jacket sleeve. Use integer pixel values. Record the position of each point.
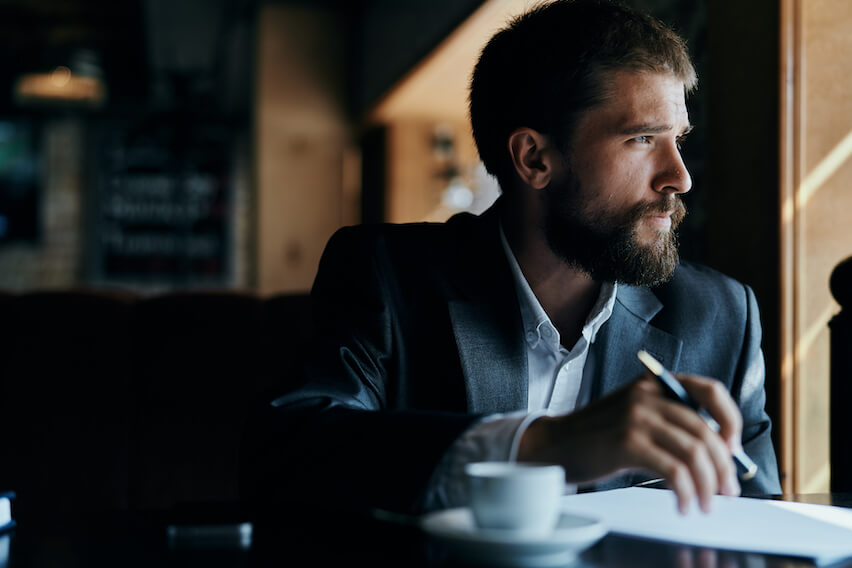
(748, 389)
(337, 439)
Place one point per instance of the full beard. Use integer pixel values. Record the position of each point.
(606, 244)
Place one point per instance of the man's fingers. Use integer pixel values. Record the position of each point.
(676, 473)
(701, 437)
(714, 399)
(694, 453)
(685, 436)
(713, 396)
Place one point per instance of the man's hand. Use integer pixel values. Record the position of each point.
(637, 428)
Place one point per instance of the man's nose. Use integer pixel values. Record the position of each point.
(673, 176)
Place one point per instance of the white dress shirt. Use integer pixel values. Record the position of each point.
(555, 387)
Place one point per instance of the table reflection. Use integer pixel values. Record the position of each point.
(289, 536)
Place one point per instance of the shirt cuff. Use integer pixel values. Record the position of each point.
(494, 438)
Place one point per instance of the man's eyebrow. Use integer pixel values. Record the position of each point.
(652, 129)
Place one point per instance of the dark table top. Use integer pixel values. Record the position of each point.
(296, 538)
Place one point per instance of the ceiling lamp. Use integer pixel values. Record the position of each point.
(80, 84)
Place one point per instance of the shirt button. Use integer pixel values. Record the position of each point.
(531, 336)
(546, 332)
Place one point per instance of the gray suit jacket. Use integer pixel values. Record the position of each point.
(418, 333)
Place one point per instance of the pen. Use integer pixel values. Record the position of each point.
(746, 468)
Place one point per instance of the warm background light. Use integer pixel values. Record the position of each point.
(60, 85)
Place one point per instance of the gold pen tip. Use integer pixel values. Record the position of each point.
(650, 362)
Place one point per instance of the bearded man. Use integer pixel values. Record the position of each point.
(513, 335)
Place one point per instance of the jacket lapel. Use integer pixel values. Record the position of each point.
(492, 358)
(612, 360)
(486, 320)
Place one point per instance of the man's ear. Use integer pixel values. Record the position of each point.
(531, 156)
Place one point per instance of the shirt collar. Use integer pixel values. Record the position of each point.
(537, 325)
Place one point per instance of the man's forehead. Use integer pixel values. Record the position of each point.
(641, 99)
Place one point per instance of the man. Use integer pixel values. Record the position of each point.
(513, 335)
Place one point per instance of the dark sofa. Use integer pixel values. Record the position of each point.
(115, 401)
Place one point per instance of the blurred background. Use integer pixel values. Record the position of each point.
(160, 145)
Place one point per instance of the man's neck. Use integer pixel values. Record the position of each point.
(566, 293)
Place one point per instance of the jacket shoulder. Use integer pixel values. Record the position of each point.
(703, 302)
(692, 279)
(420, 240)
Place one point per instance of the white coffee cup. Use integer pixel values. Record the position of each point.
(522, 499)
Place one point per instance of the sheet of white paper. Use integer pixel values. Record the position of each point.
(819, 532)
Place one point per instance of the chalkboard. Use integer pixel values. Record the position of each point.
(162, 207)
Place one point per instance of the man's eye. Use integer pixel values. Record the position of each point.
(642, 139)
(680, 141)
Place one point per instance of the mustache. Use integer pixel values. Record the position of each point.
(673, 205)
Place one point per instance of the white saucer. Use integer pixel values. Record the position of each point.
(456, 529)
